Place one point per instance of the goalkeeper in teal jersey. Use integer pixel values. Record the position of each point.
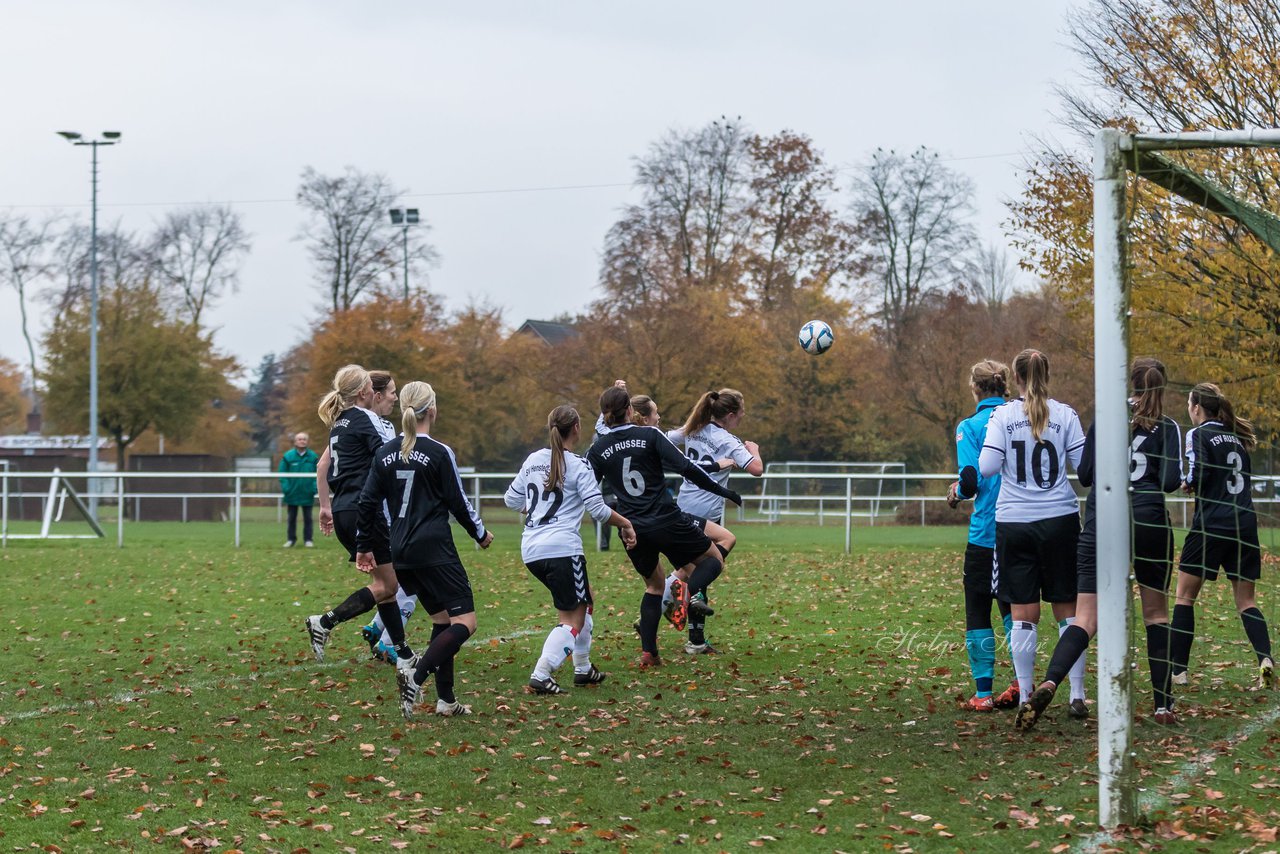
(988, 380)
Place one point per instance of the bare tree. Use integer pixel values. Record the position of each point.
(354, 250)
(196, 253)
(26, 258)
(993, 275)
(122, 260)
(913, 217)
(693, 182)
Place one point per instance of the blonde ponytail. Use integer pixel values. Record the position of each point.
(1032, 370)
(415, 399)
(348, 382)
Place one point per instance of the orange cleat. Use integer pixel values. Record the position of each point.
(979, 704)
(649, 660)
(678, 611)
(1009, 698)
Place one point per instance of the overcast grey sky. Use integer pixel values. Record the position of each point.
(229, 101)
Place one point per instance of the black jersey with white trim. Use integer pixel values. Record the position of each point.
(1219, 472)
(1155, 467)
(633, 460)
(356, 435)
(420, 495)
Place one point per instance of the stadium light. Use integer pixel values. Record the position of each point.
(405, 217)
(109, 137)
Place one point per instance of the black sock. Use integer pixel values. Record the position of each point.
(393, 622)
(442, 649)
(354, 605)
(650, 616)
(1182, 630)
(1158, 658)
(1255, 628)
(1071, 644)
(444, 673)
(724, 553)
(977, 609)
(696, 632)
(704, 572)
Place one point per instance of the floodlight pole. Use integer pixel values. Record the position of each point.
(109, 138)
(1117, 803)
(402, 218)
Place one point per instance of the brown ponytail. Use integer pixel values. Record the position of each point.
(713, 406)
(1147, 378)
(613, 406)
(1215, 404)
(1031, 367)
(559, 425)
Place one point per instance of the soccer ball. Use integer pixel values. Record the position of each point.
(816, 338)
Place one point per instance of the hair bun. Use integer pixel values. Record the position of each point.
(714, 395)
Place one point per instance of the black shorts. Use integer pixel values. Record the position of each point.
(980, 569)
(1151, 550)
(1204, 552)
(443, 587)
(681, 542)
(1037, 560)
(345, 529)
(566, 578)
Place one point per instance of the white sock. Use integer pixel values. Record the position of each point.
(1076, 674)
(555, 649)
(408, 604)
(1023, 640)
(666, 591)
(582, 647)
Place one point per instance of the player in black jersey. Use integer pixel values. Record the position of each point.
(1224, 529)
(418, 479)
(633, 460)
(1155, 467)
(355, 434)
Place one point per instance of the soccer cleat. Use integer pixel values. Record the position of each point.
(1008, 698)
(698, 607)
(1179, 678)
(1267, 674)
(979, 704)
(703, 648)
(1165, 716)
(678, 611)
(409, 688)
(545, 686)
(1031, 710)
(591, 677)
(318, 635)
(371, 634)
(1077, 709)
(309, 544)
(451, 710)
(287, 545)
(649, 660)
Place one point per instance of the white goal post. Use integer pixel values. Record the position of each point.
(1116, 152)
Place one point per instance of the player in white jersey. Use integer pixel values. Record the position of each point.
(1029, 442)
(709, 442)
(552, 489)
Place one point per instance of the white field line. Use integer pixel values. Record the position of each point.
(1187, 774)
(130, 696)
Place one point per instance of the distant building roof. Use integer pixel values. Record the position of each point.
(550, 333)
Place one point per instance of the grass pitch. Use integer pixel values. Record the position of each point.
(163, 695)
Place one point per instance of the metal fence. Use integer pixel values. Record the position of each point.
(849, 499)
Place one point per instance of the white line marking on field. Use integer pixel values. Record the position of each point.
(1187, 774)
(130, 696)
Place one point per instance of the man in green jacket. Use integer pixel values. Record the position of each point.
(299, 492)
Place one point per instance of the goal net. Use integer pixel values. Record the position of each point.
(1187, 270)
